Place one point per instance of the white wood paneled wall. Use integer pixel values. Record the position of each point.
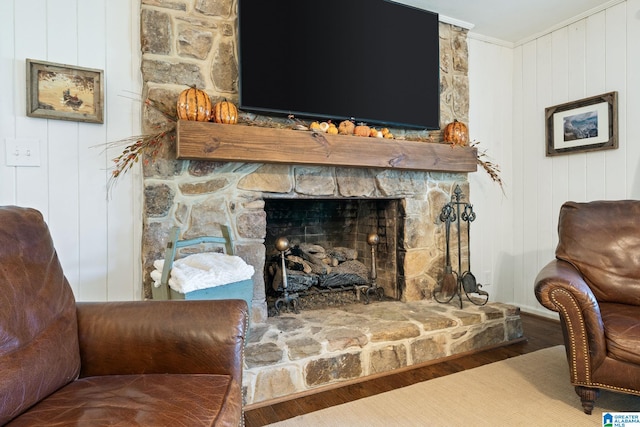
(97, 238)
(490, 118)
(588, 57)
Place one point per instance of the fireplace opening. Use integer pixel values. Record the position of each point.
(330, 250)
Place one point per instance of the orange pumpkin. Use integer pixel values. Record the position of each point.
(225, 112)
(194, 104)
(362, 130)
(456, 133)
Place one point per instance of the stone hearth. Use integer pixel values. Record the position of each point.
(316, 349)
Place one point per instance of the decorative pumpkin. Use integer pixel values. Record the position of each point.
(225, 112)
(333, 130)
(194, 104)
(361, 130)
(315, 126)
(456, 133)
(346, 127)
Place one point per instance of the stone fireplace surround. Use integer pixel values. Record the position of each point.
(207, 194)
(193, 42)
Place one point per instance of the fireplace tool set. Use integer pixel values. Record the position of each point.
(455, 283)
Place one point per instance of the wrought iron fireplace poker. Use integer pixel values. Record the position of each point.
(287, 299)
(465, 282)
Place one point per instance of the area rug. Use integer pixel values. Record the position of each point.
(528, 390)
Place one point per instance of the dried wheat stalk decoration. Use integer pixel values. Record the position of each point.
(491, 168)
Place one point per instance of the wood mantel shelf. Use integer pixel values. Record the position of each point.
(239, 143)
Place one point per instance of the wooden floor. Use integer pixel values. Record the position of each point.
(539, 332)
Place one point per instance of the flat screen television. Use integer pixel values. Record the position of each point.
(373, 61)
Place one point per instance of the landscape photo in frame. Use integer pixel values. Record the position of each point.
(588, 124)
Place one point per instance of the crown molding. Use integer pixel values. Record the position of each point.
(569, 21)
(456, 22)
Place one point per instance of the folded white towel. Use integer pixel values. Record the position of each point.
(203, 270)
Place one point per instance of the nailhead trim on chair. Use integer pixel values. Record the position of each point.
(572, 334)
(610, 387)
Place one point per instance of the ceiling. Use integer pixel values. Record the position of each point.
(509, 20)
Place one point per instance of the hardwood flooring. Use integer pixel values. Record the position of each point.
(540, 332)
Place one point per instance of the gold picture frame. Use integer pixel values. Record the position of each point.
(589, 124)
(64, 92)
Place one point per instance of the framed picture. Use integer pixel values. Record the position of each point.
(64, 92)
(589, 124)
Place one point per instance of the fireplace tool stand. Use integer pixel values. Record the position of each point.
(373, 288)
(456, 212)
(291, 301)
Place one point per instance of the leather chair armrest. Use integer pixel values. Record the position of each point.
(560, 287)
(182, 337)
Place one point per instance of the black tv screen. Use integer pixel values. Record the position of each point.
(373, 61)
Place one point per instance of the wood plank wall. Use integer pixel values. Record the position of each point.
(97, 237)
(590, 56)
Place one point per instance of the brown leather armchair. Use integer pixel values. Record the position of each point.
(594, 284)
(151, 363)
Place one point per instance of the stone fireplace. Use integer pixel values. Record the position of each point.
(194, 43)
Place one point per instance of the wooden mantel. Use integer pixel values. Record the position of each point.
(240, 143)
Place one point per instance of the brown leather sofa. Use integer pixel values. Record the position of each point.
(594, 284)
(135, 363)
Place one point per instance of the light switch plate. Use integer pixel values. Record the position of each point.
(22, 152)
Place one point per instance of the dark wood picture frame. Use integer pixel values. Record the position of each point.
(589, 124)
(64, 92)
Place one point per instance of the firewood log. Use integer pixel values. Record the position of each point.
(301, 263)
(347, 273)
(312, 249)
(317, 266)
(343, 254)
(296, 281)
